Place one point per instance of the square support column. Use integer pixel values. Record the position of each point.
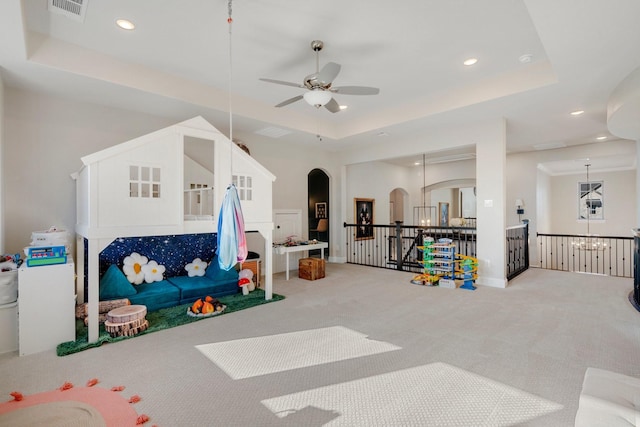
(491, 172)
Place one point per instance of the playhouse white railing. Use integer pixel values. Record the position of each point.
(198, 204)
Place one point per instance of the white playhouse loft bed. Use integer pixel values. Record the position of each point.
(168, 182)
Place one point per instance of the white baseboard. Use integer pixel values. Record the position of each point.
(493, 282)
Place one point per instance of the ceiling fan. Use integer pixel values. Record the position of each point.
(319, 87)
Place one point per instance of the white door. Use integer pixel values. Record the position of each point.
(286, 223)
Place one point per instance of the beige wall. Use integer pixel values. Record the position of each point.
(2, 166)
(619, 204)
(375, 180)
(44, 137)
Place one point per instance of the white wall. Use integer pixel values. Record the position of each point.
(525, 181)
(619, 204)
(491, 186)
(375, 180)
(291, 163)
(2, 166)
(542, 203)
(469, 206)
(45, 136)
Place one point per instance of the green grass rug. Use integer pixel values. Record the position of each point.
(163, 319)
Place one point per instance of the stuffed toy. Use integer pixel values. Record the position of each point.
(132, 267)
(247, 274)
(196, 268)
(244, 284)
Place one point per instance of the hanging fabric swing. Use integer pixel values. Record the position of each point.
(232, 243)
(231, 240)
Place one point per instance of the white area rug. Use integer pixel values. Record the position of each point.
(432, 395)
(293, 350)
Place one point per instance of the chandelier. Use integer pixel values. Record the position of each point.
(589, 242)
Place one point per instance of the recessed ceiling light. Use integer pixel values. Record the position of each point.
(577, 112)
(601, 138)
(416, 163)
(470, 61)
(125, 24)
(344, 107)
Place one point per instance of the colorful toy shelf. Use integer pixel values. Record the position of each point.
(442, 265)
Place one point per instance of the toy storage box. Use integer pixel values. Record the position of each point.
(254, 266)
(8, 327)
(311, 268)
(8, 286)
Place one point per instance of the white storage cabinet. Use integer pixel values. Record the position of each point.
(46, 307)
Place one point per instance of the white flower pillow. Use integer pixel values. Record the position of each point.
(196, 268)
(153, 272)
(132, 267)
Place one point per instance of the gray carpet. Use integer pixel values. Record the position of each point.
(518, 354)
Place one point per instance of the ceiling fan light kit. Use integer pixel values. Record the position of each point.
(319, 85)
(317, 97)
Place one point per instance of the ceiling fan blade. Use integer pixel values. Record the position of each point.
(355, 90)
(328, 72)
(332, 106)
(281, 82)
(290, 101)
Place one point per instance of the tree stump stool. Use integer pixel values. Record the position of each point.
(126, 321)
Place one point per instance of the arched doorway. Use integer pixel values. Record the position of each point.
(454, 198)
(318, 207)
(397, 200)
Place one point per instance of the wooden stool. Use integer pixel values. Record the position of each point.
(311, 268)
(126, 321)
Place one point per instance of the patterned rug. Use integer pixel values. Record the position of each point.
(71, 406)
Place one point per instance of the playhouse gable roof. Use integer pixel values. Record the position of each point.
(196, 125)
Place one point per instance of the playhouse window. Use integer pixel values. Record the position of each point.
(199, 193)
(144, 181)
(244, 185)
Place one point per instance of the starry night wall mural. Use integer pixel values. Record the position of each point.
(173, 251)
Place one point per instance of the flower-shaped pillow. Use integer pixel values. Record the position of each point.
(133, 267)
(153, 272)
(196, 268)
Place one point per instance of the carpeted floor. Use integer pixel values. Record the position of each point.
(514, 356)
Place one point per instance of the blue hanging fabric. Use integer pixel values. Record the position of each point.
(232, 243)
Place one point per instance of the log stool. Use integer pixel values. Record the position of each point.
(126, 321)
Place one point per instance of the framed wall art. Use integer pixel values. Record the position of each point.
(321, 210)
(443, 216)
(363, 213)
(591, 200)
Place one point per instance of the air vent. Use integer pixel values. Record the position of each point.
(74, 9)
(273, 132)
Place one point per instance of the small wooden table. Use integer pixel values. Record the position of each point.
(299, 248)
